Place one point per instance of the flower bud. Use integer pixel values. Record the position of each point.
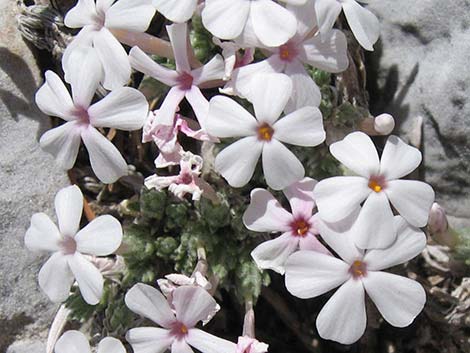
(437, 222)
(384, 124)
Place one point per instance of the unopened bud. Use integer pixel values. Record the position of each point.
(437, 222)
(384, 124)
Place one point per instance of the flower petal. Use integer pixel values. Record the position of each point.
(82, 14)
(225, 19)
(412, 199)
(130, 15)
(149, 339)
(200, 105)
(328, 52)
(101, 237)
(63, 143)
(410, 243)
(358, 153)
(272, 254)
(73, 342)
(42, 234)
(399, 299)
(398, 159)
(327, 12)
(265, 213)
(124, 108)
(178, 34)
(273, 24)
(310, 274)
(213, 70)
(143, 63)
(303, 127)
(68, 207)
(54, 99)
(192, 304)
(148, 302)
(364, 25)
(338, 197)
(89, 278)
(106, 160)
(304, 11)
(178, 11)
(311, 242)
(170, 105)
(117, 69)
(269, 94)
(305, 91)
(85, 72)
(237, 162)
(110, 345)
(281, 167)
(300, 196)
(374, 228)
(180, 346)
(343, 318)
(227, 118)
(55, 278)
(207, 343)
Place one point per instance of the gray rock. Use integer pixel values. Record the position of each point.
(29, 180)
(422, 71)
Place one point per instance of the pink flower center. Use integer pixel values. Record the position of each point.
(179, 330)
(185, 81)
(288, 51)
(265, 132)
(185, 178)
(82, 115)
(300, 227)
(68, 245)
(358, 269)
(377, 183)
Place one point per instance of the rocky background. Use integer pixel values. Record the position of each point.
(418, 73)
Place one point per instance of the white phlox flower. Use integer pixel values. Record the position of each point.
(272, 24)
(250, 345)
(377, 184)
(265, 214)
(263, 135)
(184, 82)
(343, 318)
(232, 58)
(75, 341)
(98, 20)
(124, 108)
(328, 53)
(191, 304)
(363, 23)
(101, 237)
(188, 181)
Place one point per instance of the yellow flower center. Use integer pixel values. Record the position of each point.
(301, 227)
(375, 186)
(265, 132)
(358, 269)
(184, 329)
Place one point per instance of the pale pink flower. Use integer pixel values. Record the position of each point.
(298, 227)
(188, 181)
(75, 341)
(233, 58)
(271, 23)
(250, 345)
(101, 237)
(184, 82)
(377, 185)
(166, 138)
(191, 304)
(262, 136)
(364, 25)
(125, 108)
(343, 318)
(328, 54)
(98, 20)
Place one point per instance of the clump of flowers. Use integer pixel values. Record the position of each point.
(341, 232)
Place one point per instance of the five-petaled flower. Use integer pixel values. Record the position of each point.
(191, 304)
(101, 237)
(343, 318)
(124, 108)
(377, 183)
(262, 136)
(265, 214)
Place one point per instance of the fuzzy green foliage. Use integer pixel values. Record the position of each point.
(201, 41)
(462, 250)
